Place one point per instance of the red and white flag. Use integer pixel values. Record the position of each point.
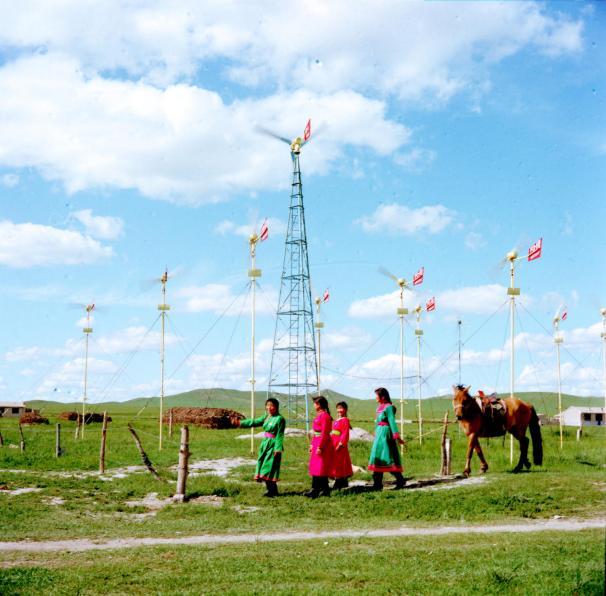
(326, 296)
(431, 304)
(564, 314)
(264, 233)
(417, 278)
(307, 131)
(534, 252)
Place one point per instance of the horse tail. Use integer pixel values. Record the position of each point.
(537, 440)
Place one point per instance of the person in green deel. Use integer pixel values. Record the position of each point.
(384, 455)
(270, 450)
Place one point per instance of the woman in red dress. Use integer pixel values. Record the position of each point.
(321, 450)
(341, 469)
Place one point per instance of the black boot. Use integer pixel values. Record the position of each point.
(324, 486)
(314, 493)
(400, 482)
(272, 489)
(377, 481)
(340, 483)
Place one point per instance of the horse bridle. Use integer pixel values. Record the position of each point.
(463, 407)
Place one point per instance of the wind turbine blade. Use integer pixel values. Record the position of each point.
(273, 135)
(387, 273)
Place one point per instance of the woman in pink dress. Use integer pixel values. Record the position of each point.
(321, 450)
(341, 469)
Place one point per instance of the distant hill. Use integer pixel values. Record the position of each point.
(433, 407)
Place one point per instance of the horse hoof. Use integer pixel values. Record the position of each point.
(466, 473)
(484, 470)
(527, 465)
(517, 469)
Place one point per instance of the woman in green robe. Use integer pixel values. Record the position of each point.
(384, 455)
(270, 450)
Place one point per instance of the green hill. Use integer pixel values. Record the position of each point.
(433, 408)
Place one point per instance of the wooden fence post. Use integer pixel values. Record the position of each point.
(22, 443)
(170, 423)
(57, 440)
(448, 453)
(103, 439)
(443, 466)
(1, 440)
(77, 433)
(144, 457)
(183, 463)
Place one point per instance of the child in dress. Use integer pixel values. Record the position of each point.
(321, 450)
(270, 450)
(341, 469)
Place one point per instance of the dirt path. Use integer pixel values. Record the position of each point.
(80, 545)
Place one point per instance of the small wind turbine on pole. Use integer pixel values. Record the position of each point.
(560, 315)
(254, 274)
(87, 331)
(163, 308)
(430, 306)
(319, 325)
(534, 252)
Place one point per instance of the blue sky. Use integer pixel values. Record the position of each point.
(450, 132)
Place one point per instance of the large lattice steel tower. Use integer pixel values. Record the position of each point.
(293, 371)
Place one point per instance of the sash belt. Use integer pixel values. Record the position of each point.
(269, 435)
(382, 424)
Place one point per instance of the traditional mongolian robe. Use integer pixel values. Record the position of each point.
(268, 464)
(341, 467)
(321, 465)
(384, 455)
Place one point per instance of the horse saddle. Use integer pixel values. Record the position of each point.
(493, 414)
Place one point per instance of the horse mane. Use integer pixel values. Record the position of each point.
(461, 387)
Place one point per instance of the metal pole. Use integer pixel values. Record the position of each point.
(459, 329)
(401, 312)
(603, 313)
(87, 331)
(558, 340)
(253, 274)
(512, 360)
(163, 315)
(418, 333)
(319, 326)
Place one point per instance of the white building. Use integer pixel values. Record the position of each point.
(582, 416)
(13, 409)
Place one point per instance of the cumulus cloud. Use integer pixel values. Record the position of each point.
(384, 305)
(415, 160)
(380, 48)
(28, 245)
(276, 227)
(400, 219)
(133, 338)
(217, 297)
(181, 143)
(483, 299)
(104, 227)
(9, 180)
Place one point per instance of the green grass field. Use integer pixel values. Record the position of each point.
(72, 500)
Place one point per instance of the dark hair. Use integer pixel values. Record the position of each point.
(384, 395)
(274, 401)
(322, 402)
(343, 405)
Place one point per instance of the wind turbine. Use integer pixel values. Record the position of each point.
(558, 339)
(163, 308)
(401, 312)
(87, 331)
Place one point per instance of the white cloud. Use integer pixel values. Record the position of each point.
(181, 143)
(483, 299)
(220, 370)
(400, 219)
(133, 338)
(474, 240)
(9, 180)
(104, 227)
(384, 305)
(578, 380)
(276, 227)
(382, 48)
(34, 353)
(29, 245)
(217, 297)
(415, 160)
(68, 378)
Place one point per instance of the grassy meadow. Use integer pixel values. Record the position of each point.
(72, 500)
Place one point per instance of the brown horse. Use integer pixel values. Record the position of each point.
(518, 416)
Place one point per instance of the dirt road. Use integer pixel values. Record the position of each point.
(81, 545)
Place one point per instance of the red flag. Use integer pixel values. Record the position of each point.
(326, 296)
(431, 304)
(417, 278)
(264, 233)
(534, 252)
(564, 314)
(307, 131)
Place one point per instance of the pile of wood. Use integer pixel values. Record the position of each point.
(206, 417)
(89, 417)
(32, 418)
